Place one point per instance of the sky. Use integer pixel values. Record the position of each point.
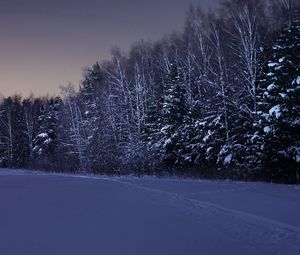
(45, 44)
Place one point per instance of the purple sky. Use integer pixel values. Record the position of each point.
(44, 44)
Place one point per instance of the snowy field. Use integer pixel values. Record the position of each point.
(43, 214)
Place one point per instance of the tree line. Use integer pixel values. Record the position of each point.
(219, 99)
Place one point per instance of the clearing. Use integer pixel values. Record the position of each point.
(72, 214)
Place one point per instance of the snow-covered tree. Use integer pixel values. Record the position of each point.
(46, 141)
(174, 114)
(279, 106)
(75, 140)
(174, 107)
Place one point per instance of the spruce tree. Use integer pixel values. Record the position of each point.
(279, 107)
(174, 107)
(46, 140)
(174, 113)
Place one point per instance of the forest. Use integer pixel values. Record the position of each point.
(219, 99)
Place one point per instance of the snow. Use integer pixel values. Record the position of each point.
(168, 142)
(297, 156)
(298, 80)
(47, 141)
(42, 135)
(68, 214)
(271, 87)
(207, 137)
(275, 110)
(228, 159)
(267, 129)
(283, 95)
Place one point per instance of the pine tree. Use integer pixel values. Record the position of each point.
(46, 140)
(174, 114)
(279, 107)
(174, 107)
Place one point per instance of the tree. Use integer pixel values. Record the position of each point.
(12, 130)
(30, 107)
(89, 98)
(74, 134)
(284, 12)
(279, 107)
(174, 113)
(47, 138)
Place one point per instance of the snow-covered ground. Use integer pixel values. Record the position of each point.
(43, 214)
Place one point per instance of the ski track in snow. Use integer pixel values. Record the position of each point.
(276, 232)
(265, 235)
(279, 234)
